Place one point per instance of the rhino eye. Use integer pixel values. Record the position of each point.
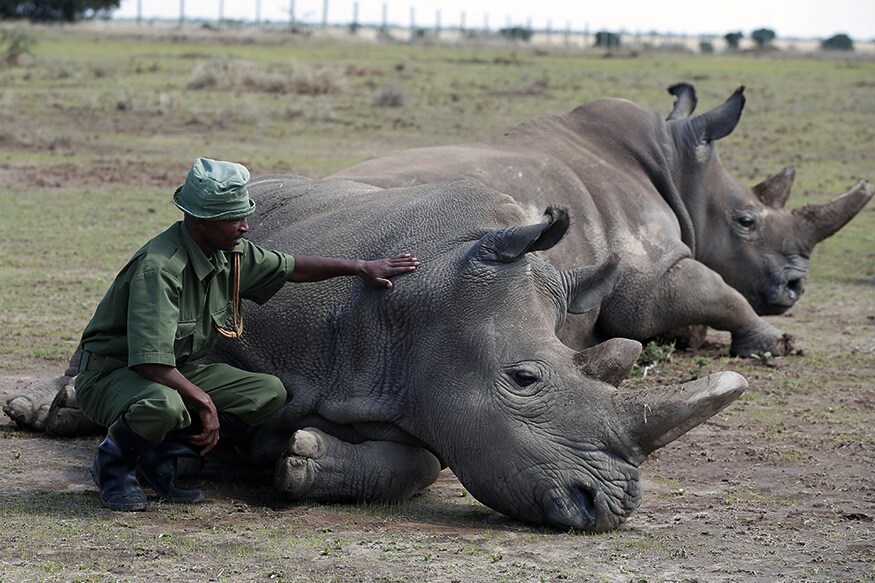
(746, 221)
(524, 378)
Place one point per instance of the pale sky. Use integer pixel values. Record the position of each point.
(788, 18)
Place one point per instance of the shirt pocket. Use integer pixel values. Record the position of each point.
(183, 343)
(223, 316)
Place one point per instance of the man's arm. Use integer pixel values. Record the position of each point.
(376, 272)
(193, 397)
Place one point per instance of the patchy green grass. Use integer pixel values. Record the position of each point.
(97, 129)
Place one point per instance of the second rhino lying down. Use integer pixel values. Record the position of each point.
(458, 365)
(696, 247)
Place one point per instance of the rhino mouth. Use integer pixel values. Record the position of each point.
(583, 506)
(783, 296)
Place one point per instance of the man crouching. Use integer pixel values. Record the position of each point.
(166, 309)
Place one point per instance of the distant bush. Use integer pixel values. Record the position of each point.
(838, 42)
(733, 39)
(706, 48)
(608, 40)
(516, 33)
(390, 97)
(228, 74)
(14, 44)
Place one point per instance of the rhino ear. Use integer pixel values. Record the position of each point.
(587, 287)
(774, 191)
(685, 103)
(717, 123)
(511, 243)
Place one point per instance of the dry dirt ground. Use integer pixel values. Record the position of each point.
(777, 487)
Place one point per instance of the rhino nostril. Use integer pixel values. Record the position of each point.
(794, 288)
(584, 500)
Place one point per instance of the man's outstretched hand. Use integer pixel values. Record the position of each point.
(378, 271)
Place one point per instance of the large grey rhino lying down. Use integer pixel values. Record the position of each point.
(459, 365)
(696, 247)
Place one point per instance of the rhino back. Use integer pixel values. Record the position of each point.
(600, 161)
(337, 340)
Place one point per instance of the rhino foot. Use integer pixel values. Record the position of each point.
(765, 338)
(30, 407)
(296, 469)
(320, 467)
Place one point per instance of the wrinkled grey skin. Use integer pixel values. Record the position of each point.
(459, 364)
(696, 247)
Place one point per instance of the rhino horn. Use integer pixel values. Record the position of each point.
(716, 123)
(775, 190)
(685, 102)
(587, 287)
(511, 243)
(655, 417)
(819, 221)
(611, 361)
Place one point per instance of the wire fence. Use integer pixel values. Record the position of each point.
(567, 37)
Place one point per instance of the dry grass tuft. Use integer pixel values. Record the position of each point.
(233, 74)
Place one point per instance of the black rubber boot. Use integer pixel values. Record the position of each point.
(158, 469)
(114, 468)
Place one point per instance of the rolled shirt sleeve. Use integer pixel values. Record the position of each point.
(263, 272)
(153, 317)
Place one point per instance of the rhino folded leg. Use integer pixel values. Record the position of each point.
(690, 294)
(66, 419)
(323, 468)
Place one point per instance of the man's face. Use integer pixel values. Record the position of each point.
(225, 235)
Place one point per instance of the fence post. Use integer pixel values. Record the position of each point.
(412, 24)
(355, 18)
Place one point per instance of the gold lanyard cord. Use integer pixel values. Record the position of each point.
(236, 317)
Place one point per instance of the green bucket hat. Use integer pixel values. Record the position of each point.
(215, 191)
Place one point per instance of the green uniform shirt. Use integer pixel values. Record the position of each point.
(164, 305)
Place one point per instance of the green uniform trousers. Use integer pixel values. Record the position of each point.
(152, 410)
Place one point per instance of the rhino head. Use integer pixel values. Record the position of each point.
(530, 427)
(744, 233)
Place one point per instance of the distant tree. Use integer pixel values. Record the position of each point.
(55, 10)
(608, 40)
(838, 42)
(763, 37)
(705, 47)
(732, 39)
